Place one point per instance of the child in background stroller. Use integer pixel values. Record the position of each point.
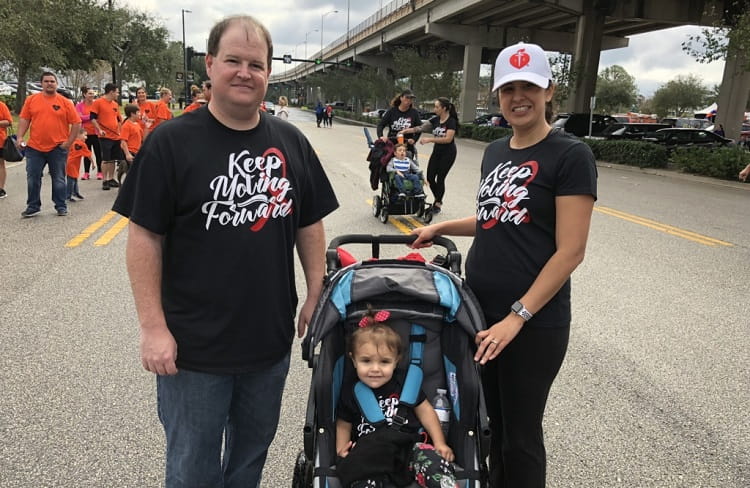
(389, 202)
(437, 318)
(402, 170)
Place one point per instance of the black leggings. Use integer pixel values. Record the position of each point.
(516, 385)
(440, 163)
(92, 141)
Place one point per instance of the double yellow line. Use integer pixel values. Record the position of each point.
(406, 223)
(668, 229)
(105, 238)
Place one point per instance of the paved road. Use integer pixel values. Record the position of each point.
(654, 392)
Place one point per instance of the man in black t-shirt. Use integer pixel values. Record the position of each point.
(218, 199)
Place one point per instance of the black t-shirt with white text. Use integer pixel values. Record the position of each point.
(396, 121)
(440, 129)
(515, 231)
(388, 399)
(229, 204)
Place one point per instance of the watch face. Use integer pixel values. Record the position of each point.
(516, 307)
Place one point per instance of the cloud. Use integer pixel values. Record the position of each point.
(657, 57)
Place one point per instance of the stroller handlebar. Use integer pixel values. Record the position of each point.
(332, 259)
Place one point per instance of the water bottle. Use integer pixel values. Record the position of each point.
(443, 409)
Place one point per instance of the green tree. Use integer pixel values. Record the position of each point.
(615, 90)
(728, 37)
(144, 49)
(54, 34)
(427, 71)
(680, 96)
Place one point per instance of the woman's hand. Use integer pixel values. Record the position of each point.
(424, 237)
(492, 341)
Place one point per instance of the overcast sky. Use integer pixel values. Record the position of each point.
(653, 59)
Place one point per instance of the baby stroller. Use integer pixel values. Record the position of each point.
(389, 202)
(429, 294)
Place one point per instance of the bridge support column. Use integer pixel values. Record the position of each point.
(735, 85)
(467, 101)
(588, 44)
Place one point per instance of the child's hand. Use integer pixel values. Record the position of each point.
(445, 451)
(345, 450)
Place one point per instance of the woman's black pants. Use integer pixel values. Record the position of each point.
(516, 386)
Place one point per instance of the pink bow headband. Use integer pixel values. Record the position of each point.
(369, 320)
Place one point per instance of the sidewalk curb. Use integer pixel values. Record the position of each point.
(665, 173)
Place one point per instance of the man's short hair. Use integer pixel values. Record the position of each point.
(165, 91)
(110, 87)
(130, 109)
(247, 21)
(47, 73)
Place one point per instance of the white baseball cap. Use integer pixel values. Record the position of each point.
(522, 62)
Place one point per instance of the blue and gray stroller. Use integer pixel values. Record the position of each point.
(389, 202)
(437, 317)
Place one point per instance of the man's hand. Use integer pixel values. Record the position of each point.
(158, 350)
(305, 315)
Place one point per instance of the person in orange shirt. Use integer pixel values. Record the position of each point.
(131, 135)
(79, 149)
(162, 108)
(54, 125)
(148, 111)
(5, 121)
(105, 115)
(92, 140)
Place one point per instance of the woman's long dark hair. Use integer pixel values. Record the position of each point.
(447, 104)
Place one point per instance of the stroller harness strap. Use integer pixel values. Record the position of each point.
(368, 403)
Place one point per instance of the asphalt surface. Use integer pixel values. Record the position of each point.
(654, 391)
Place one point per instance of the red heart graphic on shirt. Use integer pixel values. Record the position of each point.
(519, 59)
(277, 152)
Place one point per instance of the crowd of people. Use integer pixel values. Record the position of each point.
(216, 342)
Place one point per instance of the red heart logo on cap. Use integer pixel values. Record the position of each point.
(520, 59)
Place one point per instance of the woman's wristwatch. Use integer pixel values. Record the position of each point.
(518, 309)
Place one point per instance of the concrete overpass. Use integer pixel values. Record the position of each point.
(473, 31)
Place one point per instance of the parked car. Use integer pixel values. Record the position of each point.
(631, 130)
(375, 113)
(685, 122)
(339, 105)
(687, 137)
(66, 93)
(269, 107)
(5, 89)
(486, 119)
(578, 123)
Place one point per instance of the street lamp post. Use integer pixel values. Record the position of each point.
(184, 57)
(307, 34)
(321, 33)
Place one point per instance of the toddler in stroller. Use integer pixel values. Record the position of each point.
(393, 200)
(403, 170)
(436, 319)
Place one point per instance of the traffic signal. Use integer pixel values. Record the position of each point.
(318, 60)
(348, 63)
(189, 56)
(287, 59)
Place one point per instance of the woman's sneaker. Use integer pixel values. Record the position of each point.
(85, 176)
(99, 175)
(2, 193)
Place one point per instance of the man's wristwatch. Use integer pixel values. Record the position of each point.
(518, 309)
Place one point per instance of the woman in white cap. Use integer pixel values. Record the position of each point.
(534, 206)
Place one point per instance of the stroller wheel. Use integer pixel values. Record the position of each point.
(302, 472)
(384, 215)
(376, 204)
(427, 216)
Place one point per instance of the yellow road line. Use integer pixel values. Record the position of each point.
(88, 231)
(397, 223)
(112, 232)
(405, 229)
(668, 229)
